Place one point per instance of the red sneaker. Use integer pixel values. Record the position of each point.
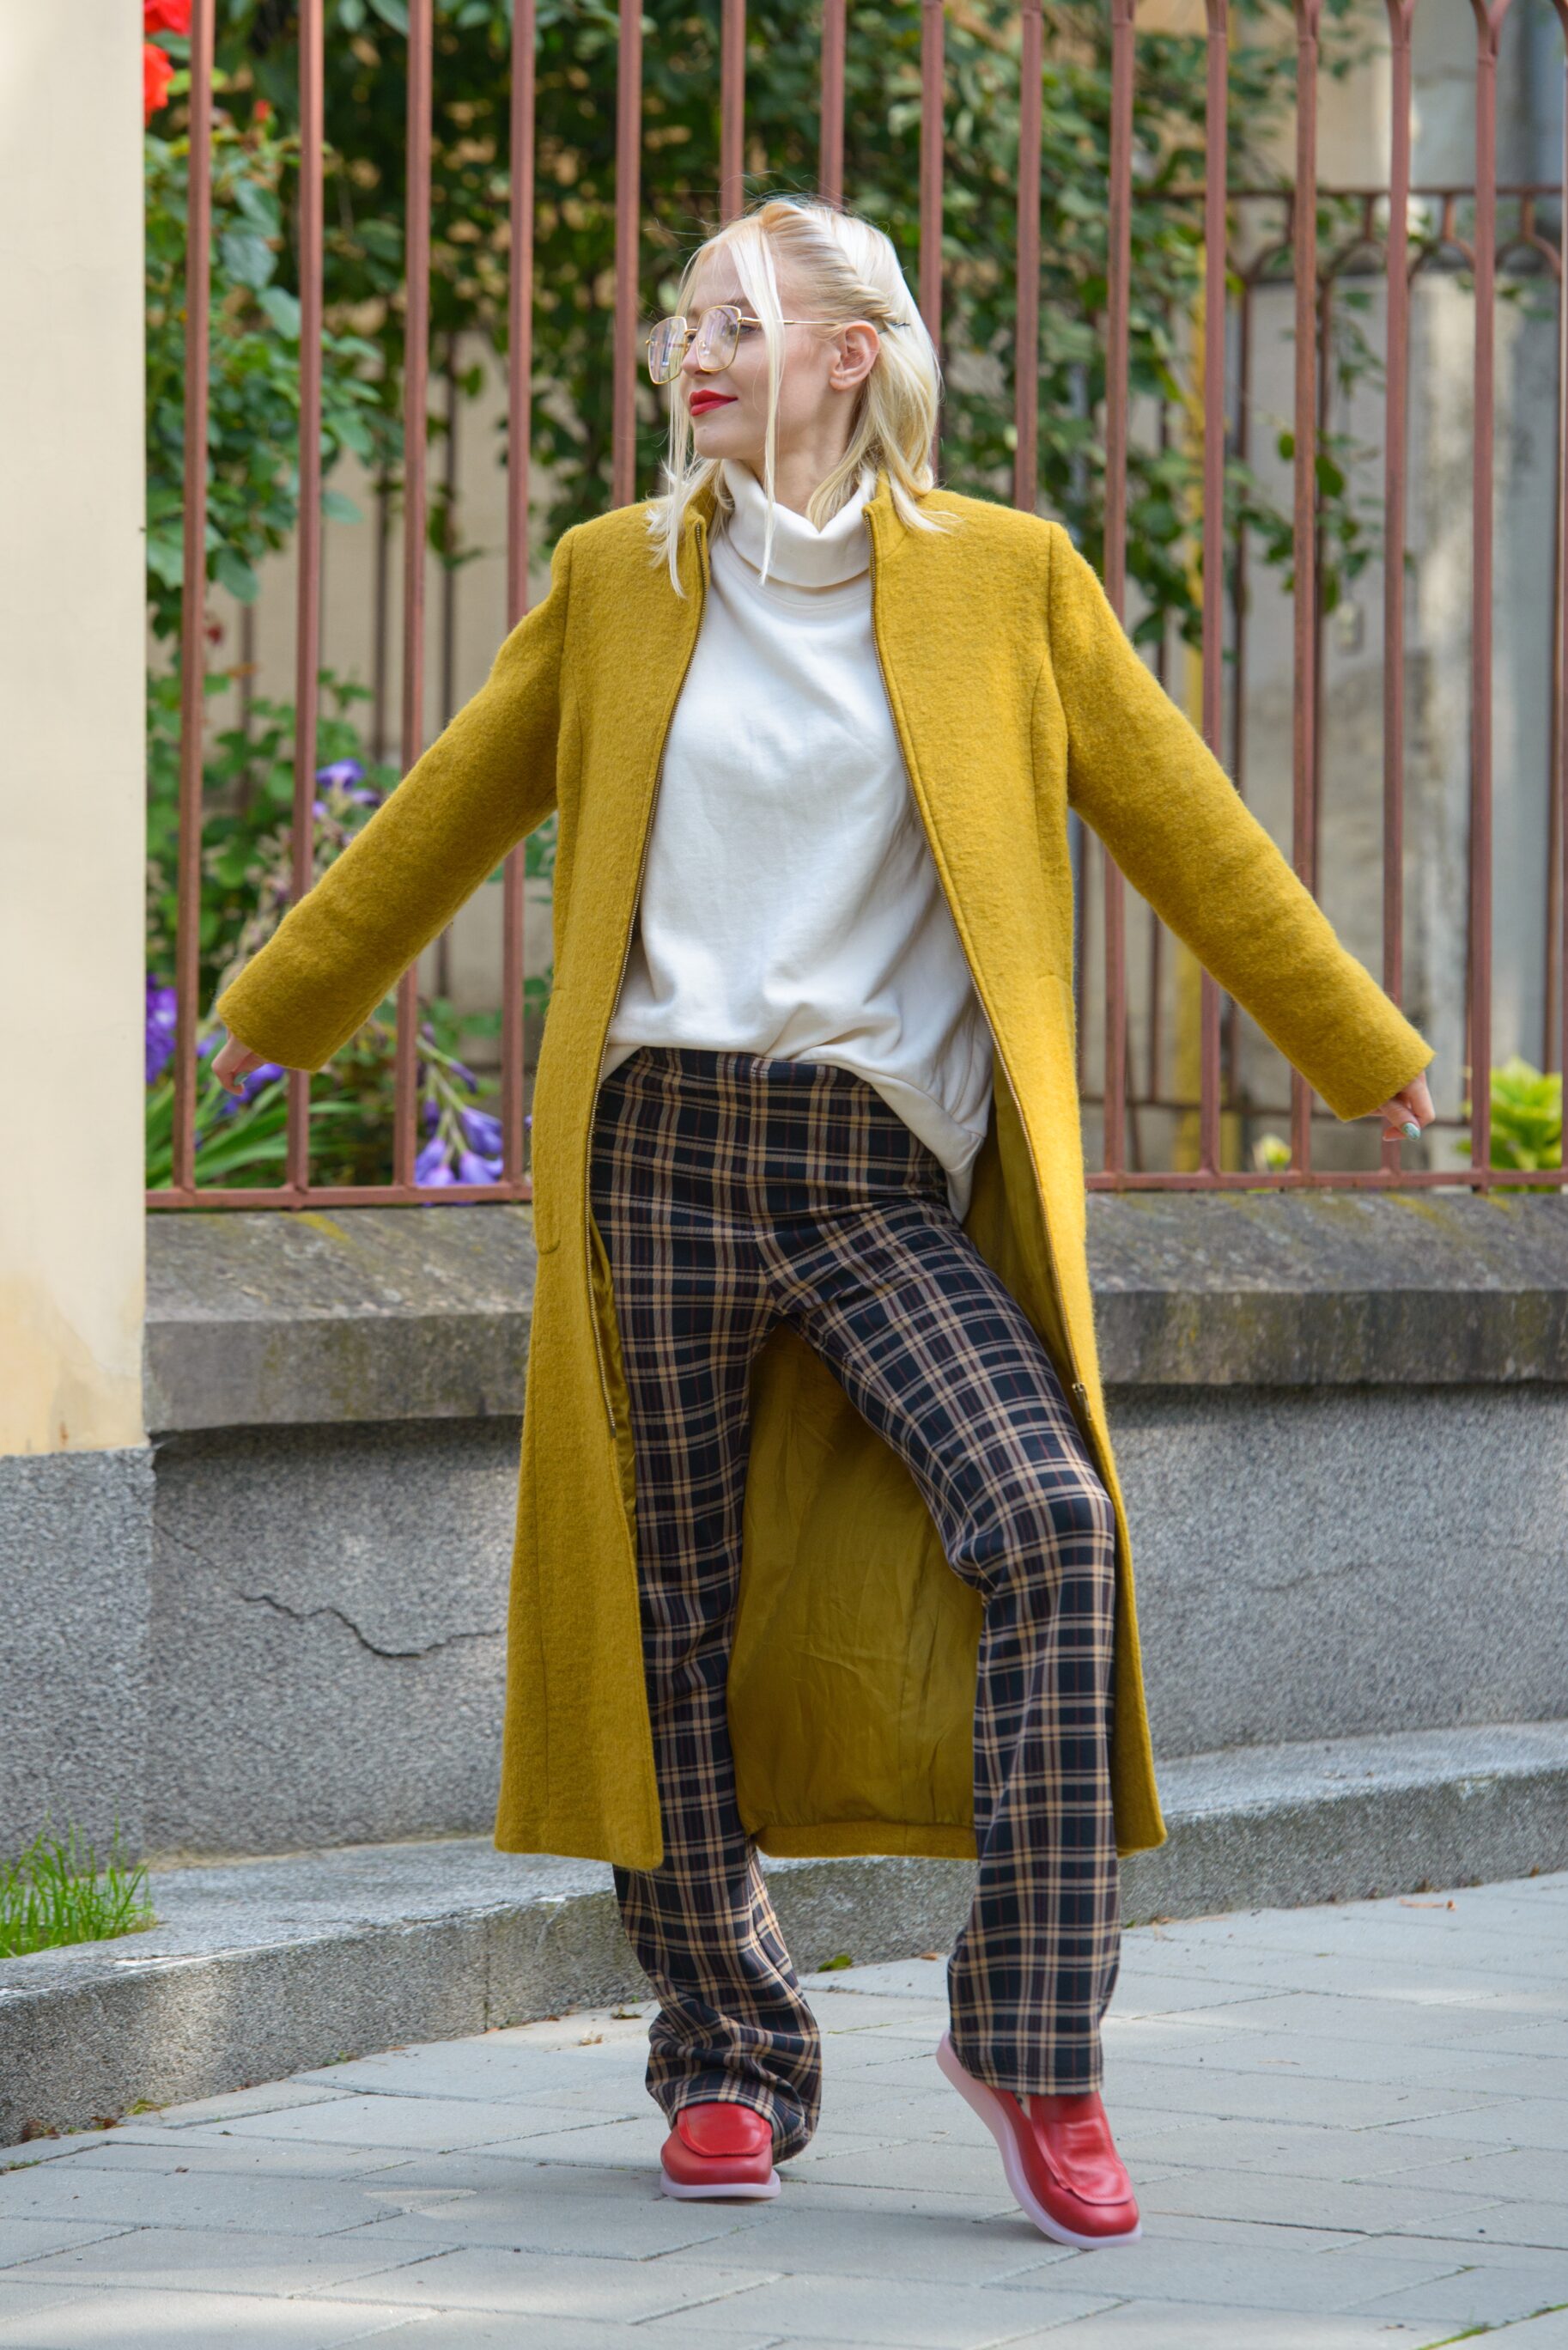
(1059, 2158)
(719, 2152)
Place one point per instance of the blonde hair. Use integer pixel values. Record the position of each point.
(841, 267)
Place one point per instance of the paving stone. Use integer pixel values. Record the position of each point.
(193, 2321)
(1525, 2174)
(1178, 2325)
(1305, 2283)
(642, 2228)
(193, 2197)
(277, 2096)
(1481, 2296)
(214, 2260)
(1539, 2226)
(1271, 2196)
(1539, 2122)
(939, 2247)
(384, 2121)
(554, 2286)
(867, 2310)
(1297, 2150)
(28, 2239)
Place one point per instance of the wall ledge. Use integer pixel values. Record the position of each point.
(276, 1319)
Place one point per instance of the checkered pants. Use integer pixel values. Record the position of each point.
(733, 1190)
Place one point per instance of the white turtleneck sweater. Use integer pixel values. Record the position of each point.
(789, 902)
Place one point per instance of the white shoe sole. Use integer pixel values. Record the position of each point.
(730, 2194)
(988, 2106)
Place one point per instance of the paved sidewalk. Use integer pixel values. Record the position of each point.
(1348, 2127)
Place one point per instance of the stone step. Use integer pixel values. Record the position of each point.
(258, 1968)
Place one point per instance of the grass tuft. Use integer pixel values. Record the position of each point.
(57, 1891)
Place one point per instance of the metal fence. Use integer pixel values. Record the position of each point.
(1399, 231)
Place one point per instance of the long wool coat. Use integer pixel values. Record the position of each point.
(1016, 696)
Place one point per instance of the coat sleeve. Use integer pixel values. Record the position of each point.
(483, 783)
(1139, 772)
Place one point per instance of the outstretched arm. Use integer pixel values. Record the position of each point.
(1141, 775)
(482, 784)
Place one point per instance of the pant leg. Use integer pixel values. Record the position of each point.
(691, 1312)
(940, 1358)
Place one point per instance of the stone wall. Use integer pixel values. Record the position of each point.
(1341, 1421)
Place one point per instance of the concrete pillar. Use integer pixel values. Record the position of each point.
(74, 1477)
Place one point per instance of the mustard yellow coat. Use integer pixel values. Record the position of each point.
(1016, 696)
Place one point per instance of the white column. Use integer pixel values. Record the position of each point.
(72, 639)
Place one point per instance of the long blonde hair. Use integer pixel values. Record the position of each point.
(842, 267)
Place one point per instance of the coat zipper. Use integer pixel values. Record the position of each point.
(1078, 1386)
(701, 532)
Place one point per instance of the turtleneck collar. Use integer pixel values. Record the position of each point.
(801, 556)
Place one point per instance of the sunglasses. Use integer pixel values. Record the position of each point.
(718, 335)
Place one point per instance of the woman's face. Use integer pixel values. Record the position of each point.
(816, 390)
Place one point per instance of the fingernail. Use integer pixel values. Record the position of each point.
(1412, 1129)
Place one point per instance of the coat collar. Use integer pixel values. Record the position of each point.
(888, 528)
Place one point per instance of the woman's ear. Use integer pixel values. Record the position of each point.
(855, 357)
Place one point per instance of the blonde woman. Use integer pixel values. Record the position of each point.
(820, 1546)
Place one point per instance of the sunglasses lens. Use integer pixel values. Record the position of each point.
(716, 339)
(666, 348)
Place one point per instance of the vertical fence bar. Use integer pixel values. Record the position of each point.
(1115, 562)
(1489, 15)
(628, 199)
(1304, 565)
(1026, 294)
(1396, 371)
(830, 135)
(519, 438)
(416, 369)
(194, 597)
(308, 612)
(733, 110)
(933, 61)
(1214, 160)
(1559, 780)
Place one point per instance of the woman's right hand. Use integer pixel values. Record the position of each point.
(234, 1063)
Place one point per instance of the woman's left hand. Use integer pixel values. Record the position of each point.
(1411, 1101)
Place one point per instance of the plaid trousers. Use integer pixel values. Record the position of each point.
(731, 1190)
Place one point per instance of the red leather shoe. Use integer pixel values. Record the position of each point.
(719, 2152)
(1059, 2158)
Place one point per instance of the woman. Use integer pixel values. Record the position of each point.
(820, 1547)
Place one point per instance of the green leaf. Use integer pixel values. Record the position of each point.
(233, 572)
(394, 12)
(282, 308)
(246, 256)
(339, 508)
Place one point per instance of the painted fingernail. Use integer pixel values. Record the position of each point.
(1412, 1129)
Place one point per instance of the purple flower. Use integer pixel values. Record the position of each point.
(161, 1013)
(208, 1044)
(482, 1130)
(343, 772)
(432, 1166)
(473, 1169)
(467, 1075)
(433, 1110)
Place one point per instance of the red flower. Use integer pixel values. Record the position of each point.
(261, 110)
(166, 17)
(157, 73)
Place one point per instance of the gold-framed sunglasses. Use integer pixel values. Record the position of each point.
(718, 334)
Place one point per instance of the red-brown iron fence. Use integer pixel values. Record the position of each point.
(1399, 231)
